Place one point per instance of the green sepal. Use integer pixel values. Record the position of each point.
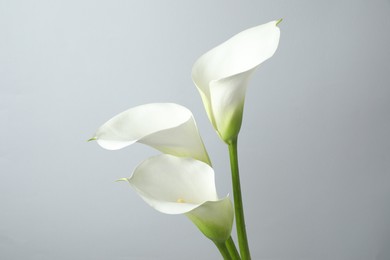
(214, 219)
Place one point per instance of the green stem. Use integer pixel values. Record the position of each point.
(232, 249)
(223, 250)
(238, 206)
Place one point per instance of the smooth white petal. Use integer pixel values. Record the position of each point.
(174, 185)
(227, 68)
(227, 97)
(242, 52)
(167, 127)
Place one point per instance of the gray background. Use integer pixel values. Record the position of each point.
(314, 147)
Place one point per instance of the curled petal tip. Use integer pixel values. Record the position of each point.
(279, 21)
(92, 139)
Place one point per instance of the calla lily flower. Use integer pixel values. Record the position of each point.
(175, 185)
(222, 74)
(168, 127)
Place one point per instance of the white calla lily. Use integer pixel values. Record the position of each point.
(168, 127)
(175, 185)
(221, 75)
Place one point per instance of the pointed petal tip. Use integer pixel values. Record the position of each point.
(92, 139)
(122, 179)
(279, 21)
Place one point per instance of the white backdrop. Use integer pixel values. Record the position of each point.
(314, 146)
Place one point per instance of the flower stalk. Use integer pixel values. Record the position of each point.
(228, 249)
(238, 205)
(223, 250)
(231, 246)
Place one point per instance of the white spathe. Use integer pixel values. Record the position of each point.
(175, 185)
(221, 75)
(168, 127)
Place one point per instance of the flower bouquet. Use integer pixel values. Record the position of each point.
(181, 179)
